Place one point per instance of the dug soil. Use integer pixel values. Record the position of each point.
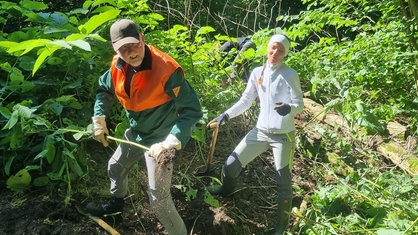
(251, 209)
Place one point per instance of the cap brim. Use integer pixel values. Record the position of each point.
(123, 41)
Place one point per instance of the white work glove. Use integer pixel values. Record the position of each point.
(170, 142)
(100, 130)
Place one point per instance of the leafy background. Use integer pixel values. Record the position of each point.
(357, 58)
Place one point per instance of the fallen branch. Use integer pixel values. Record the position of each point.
(390, 149)
(100, 222)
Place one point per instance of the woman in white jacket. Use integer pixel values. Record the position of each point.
(278, 89)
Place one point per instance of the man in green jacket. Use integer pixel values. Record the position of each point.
(162, 109)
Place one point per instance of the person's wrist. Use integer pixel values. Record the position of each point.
(226, 116)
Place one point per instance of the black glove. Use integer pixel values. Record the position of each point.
(282, 109)
(218, 121)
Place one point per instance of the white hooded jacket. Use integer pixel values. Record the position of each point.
(277, 83)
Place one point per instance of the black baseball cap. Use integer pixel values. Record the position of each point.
(122, 32)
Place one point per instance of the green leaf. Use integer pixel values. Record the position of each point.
(32, 5)
(59, 18)
(205, 30)
(209, 199)
(389, 232)
(77, 36)
(20, 181)
(50, 30)
(97, 37)
(16, 138)
(75, 167)
(24, 111)
(98, 20)
(51, 151)
(41, 58)
(41, 181)
(78, 136)
(12, 120)
(55, 60)
(26, 63)
(79, 11)
(8, 165)
(156, 16)
(42, 154)
(56, 108)
(223, 38)
(27, 46)
(8, 44)
(61, 43)
(99, 2)
(177, 28)
(16, 76)
(199, 134)
(65, 98)
(5, 112)
(81, 44)
(87, 4)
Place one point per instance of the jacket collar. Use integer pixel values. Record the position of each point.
(146, 63)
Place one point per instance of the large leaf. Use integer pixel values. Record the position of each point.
(100, 2)
(81, 44)
(5, 112)
(72, 161)
(24, 111)
(26, 63)
(78, 36)
(49, 150)
(205, 30)
(8, 165)
(12, 120)
(61, 43)
(18, 82)
(33, 5)
(27, 46)
(98, 20)
(47, 51)
(19, 182)
(41, 181)
(8, 44)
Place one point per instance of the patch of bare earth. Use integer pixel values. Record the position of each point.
(250, 210)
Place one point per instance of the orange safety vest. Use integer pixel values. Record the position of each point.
(147, 86)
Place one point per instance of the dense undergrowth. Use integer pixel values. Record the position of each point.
(359, 59)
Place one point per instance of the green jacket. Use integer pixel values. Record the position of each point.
(177, 116)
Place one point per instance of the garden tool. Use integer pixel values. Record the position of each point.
(99, 221)
(212, 146)
(164, 157)
(209, 159)
(127, 142)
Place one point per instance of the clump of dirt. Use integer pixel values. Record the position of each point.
(166, 156)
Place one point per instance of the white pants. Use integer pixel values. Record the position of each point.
(159, 183)
(257, 142)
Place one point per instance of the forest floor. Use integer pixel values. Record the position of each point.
(250, 210)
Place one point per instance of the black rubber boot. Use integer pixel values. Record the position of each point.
(284, 207)
(226, 188)
(112, 207)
